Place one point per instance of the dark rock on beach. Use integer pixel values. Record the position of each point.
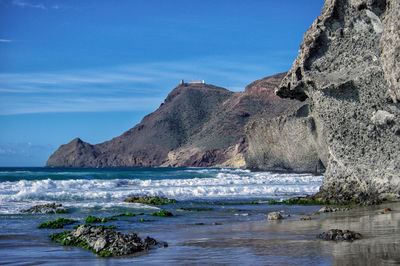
(149, 200)
(332, 209)
(46, 209)
(337, 234)
(104, 242)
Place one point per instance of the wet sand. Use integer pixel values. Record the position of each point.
(294, 242)
(249, 241)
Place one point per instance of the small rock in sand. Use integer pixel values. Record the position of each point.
(275, 216)
(337, 234)
(384, 211)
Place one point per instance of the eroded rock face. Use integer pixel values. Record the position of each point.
(348, 68)
(287, 142)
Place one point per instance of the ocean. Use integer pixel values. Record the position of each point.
(229, 229)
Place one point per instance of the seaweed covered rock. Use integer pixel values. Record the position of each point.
(149, 200)
(337, 234)
(162, 213)
(93, 219)
(348, 70)
(46, 209)
(104, 242)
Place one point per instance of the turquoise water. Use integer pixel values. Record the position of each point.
(226, 194)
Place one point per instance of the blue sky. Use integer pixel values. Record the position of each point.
(93, 69)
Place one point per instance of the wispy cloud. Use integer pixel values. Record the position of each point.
(5, 40)
(21, 3)
(120, 88)
(32, 4)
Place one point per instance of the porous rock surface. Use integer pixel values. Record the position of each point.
(348, 70)
(46, 209)
(198, 125)
(101, 240)
(339, 235)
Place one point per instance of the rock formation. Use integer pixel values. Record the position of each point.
(197, 125)
(104, 242)
(286, 142)
(348, 70)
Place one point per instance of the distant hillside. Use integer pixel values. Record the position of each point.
(197, 125)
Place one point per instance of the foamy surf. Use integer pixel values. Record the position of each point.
(223, 184)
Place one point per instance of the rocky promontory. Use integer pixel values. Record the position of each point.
(348, 74)
(197, 125)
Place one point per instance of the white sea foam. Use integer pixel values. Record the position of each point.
(235, 183)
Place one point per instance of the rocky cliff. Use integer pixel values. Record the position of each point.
(348, 70)
(197, 125)
(286, 142)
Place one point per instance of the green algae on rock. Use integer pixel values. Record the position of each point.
(149, 200)
(96, 220)
(125, 214)
(104, 242)
(56, 224)
(162, 213)
(309, 200)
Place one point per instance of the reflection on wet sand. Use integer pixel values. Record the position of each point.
(295, 241)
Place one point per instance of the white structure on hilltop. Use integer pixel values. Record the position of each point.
(193, 82)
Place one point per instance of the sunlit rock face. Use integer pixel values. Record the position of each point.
(348, 68)
(197, 125)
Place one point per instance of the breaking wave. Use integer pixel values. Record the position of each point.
(226, 184)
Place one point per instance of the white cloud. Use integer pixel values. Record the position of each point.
(80, 104)
(119, 88)
(32, 4)
(21, 3)
(5, 40)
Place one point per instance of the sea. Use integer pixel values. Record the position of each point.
(220, 216)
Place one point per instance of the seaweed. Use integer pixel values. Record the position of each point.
(162, 213)
(125, 214)
(149, 200)
(96, 220)
(56, 224)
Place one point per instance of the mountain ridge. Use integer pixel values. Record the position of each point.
(196, 125)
